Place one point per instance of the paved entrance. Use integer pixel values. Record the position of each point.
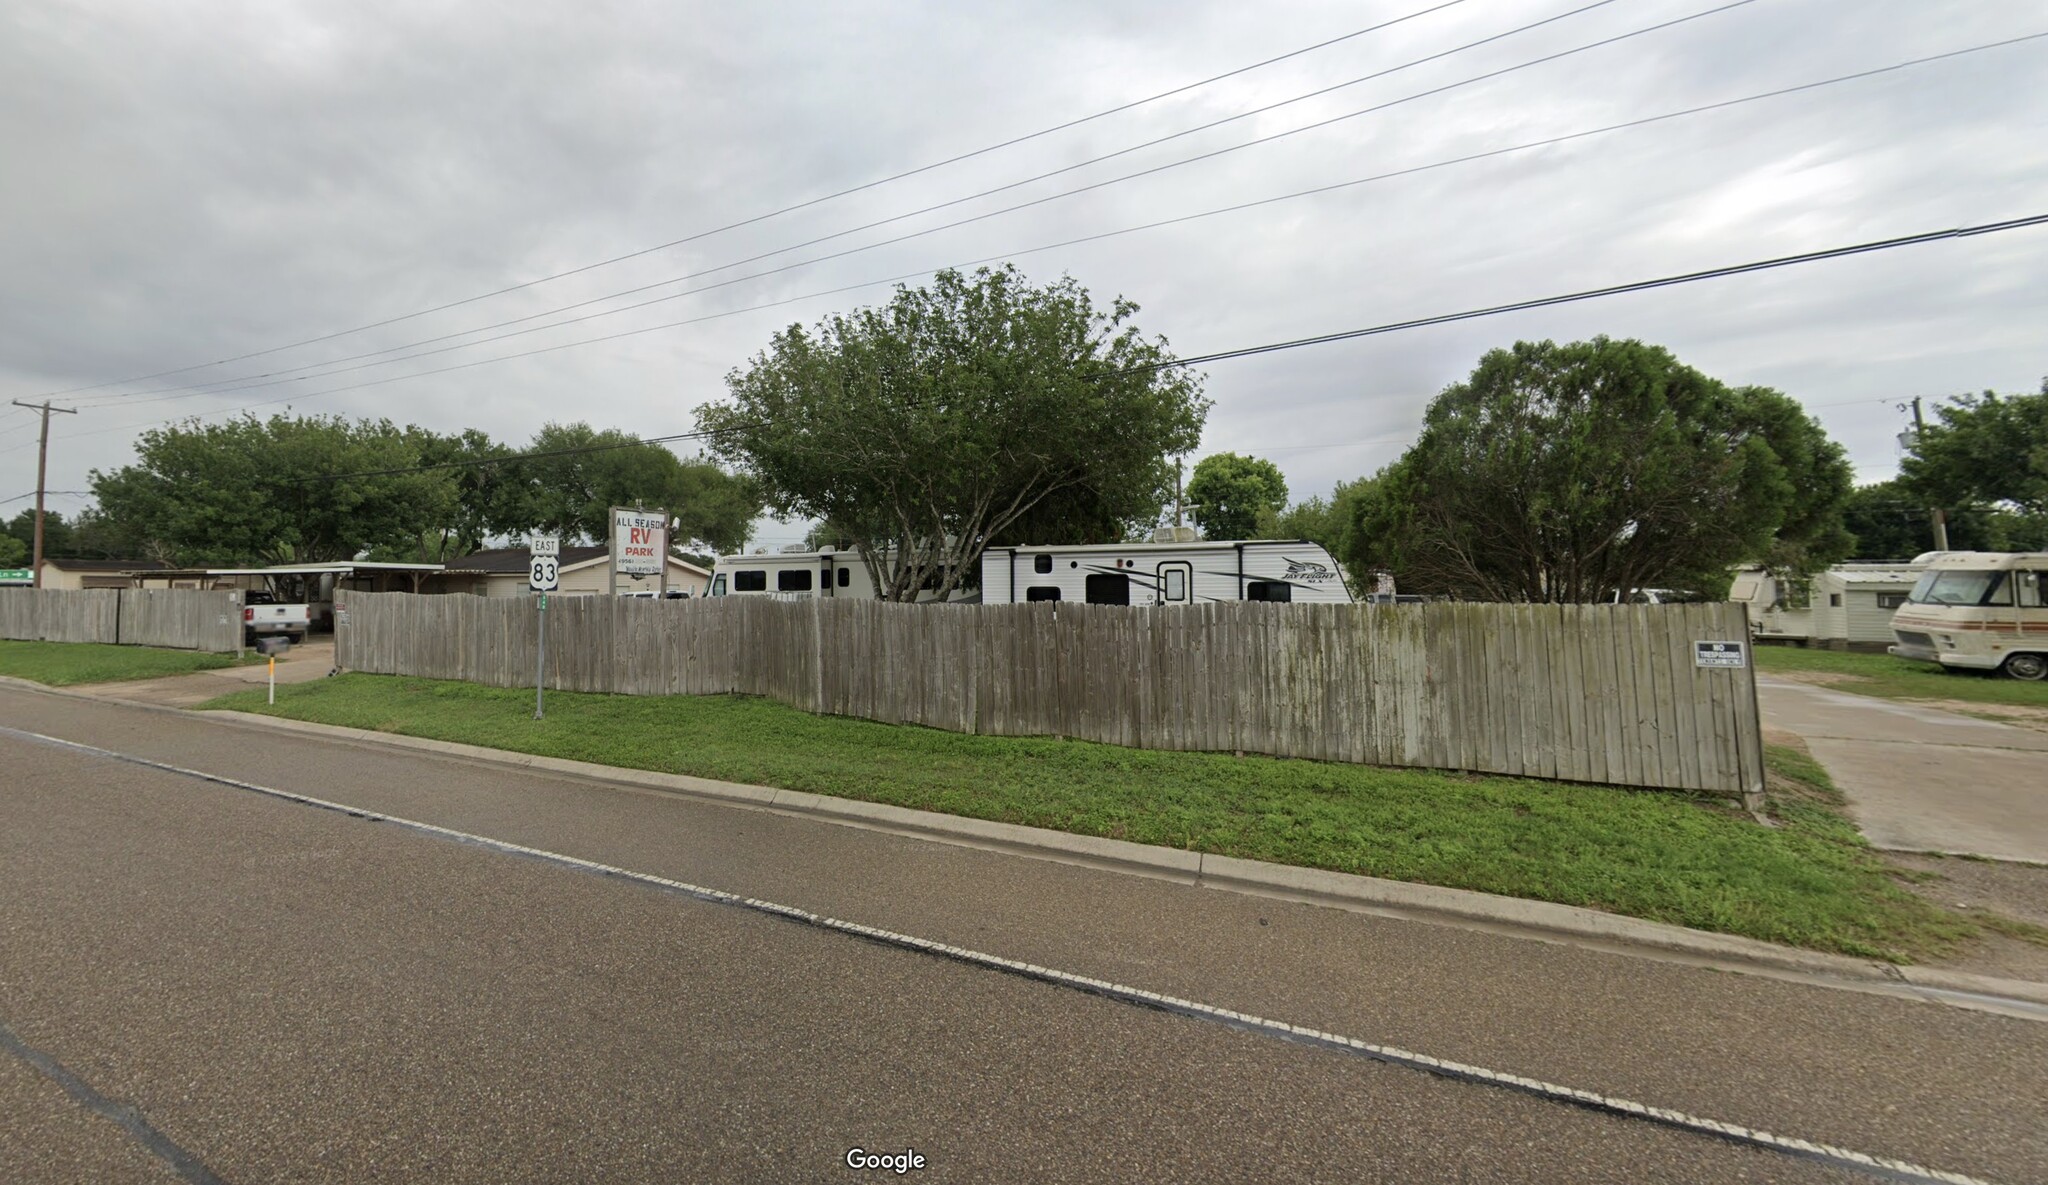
(1921, 779)
(301, 664)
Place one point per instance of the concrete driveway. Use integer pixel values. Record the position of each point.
(1921, 779)
(301, 664)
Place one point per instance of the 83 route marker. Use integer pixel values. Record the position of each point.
(543, 564)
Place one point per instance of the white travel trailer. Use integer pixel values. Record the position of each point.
(1978, 610)
(1847, 606)
(1167, 573)
(797, 574)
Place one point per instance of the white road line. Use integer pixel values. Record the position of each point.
(1884, 1167)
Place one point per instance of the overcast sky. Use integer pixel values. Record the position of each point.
(190, 182)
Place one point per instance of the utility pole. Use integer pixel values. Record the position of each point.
(1940, 515)
(1178, 463)
(42, 476)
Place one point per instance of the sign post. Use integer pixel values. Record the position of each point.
(543, 576)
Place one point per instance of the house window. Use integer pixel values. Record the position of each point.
(1041, 563)
(751, 581)
(845, 575)
(1834, 600)
(1890, 600)
(1109, 588)
(1042, 592)
(793, 581)
(1268, 590)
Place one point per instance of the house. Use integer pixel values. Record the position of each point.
(1848, 606)
(94, 573)
(502, 572)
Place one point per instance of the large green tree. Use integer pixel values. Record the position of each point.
(924, 429)
(1232, 496)
(282, 490)
(1984, 449)
(13, 552)
(1563, 473)
(581, 472)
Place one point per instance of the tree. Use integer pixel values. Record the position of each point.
(1232, 496)
(1984, 450)
(923, 430)
(13, 552)
(283, 490)
(1564, 473)
(573, 493)
(57, 533)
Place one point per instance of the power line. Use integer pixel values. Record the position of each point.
(1613, 290)
(790, 209)
(243, 383)
(1155, 224)
(1350, 334)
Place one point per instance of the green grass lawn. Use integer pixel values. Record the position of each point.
(61, 664)
(1810, 882)
(1895, 678)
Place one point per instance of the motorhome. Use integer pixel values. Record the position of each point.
(1978, 610)
(1163, 573)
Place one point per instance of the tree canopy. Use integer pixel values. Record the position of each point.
(324, 488)
(1564, 473)
(960, 413)
(1984, 449)
(1232, 496)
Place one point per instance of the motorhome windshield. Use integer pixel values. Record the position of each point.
(1955, 587)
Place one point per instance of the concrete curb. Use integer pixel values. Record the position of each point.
(1538, 919)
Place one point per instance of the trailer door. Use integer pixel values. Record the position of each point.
(1176, 582)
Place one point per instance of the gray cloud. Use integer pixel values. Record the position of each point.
(193, 182)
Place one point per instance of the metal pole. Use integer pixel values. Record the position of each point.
(42, 479)
(540, 660)
(1940, 515)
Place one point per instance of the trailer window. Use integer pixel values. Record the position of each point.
(793, 580)
(751, 581)
(1175, 585)
(1834, 600)
(1890, 600)
(1956, 587)
(1268, 590)
(718, 585)
(1042, 592)
(845, 575)
(1041, 563)
(1109, 588)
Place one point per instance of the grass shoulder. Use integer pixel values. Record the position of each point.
(63, 664)
(1895, 678)
(1811, 881)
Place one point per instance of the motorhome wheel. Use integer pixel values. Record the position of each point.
(2031, 667)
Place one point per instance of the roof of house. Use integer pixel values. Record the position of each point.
(71, 565)
(515, 559)
(507, 560)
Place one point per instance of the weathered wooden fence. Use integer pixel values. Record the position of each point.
(181, 618)
(1594, 693)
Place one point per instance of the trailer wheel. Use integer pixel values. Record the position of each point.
(2031, 667)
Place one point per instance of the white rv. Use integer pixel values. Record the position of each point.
(1173, 573)
(1847, 606)
(798, 574)
(1978, 610)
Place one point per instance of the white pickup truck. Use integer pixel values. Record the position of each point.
(264, 616)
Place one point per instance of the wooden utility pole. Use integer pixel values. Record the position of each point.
(1940, 515)
(42, 477)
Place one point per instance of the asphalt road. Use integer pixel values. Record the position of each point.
(286, 993)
